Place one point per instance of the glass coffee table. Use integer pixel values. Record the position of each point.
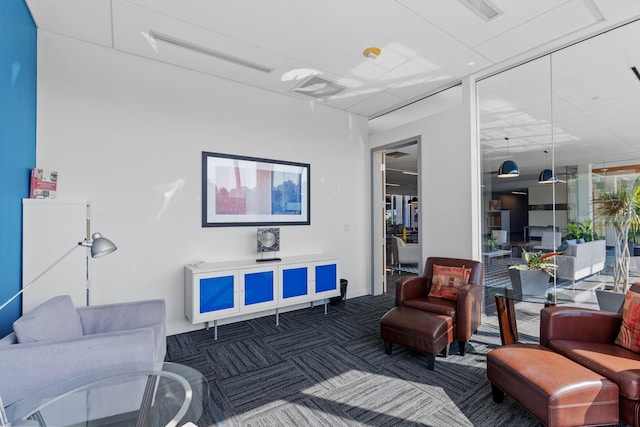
(163, 394)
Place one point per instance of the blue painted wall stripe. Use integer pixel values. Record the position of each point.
(18, 65)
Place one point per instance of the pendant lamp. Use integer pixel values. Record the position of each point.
(547, 176)
(508, 168)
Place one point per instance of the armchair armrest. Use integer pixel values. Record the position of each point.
(100, 319)
(566, 266)
(28, 367)
(468, 311)
(409, 287)
(578, 324)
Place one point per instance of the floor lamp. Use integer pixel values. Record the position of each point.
(99, 245)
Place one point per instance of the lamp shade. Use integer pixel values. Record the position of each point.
(547, 177)
(508, 169)
(101, 246)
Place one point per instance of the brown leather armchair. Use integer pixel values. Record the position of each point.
(465, 312)
(587, 337)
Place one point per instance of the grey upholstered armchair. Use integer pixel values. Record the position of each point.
(56, 341)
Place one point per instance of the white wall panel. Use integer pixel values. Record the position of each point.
(50, 229)
(127, 133)
(446, 173)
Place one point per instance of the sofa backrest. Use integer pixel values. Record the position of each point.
(589, 255)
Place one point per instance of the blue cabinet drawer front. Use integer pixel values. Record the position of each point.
(258, 287)
(294, 282)
(216, 293)
(326, 278)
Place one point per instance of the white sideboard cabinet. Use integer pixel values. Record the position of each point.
(223, 290)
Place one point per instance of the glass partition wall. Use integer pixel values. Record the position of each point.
(570, 122)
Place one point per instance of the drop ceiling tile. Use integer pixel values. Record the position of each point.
(131, 34)
(457, 20)
(375, 104)
(567, 18)
(93, 23)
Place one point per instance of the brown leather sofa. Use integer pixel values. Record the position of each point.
(465, 312)
(587, 337)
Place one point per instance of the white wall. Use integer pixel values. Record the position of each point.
(126, 133)
(447, 215)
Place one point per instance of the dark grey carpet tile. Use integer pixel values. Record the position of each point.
(371, 349)
(290, 343)
(369, 320)
(239, 357)
(365, 305)
(180, 345)
(260, 387)
(198, 361)
(205, 338)
(382, 400)
(304, 413)
(342, 328)
(267, 325)
(219, 411)
(479, 408)
(332, 366)
(310, 315)
(322, 412)
(455, 379)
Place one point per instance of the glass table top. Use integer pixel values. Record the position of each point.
(552, 296)
(160, 394)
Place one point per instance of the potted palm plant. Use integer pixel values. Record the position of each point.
(532, 277)
(620, 208)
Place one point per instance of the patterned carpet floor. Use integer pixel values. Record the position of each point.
(331, 370)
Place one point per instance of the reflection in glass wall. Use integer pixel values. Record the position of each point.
(570, 121)
(515, 126)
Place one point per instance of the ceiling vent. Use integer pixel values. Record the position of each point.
(396, 154)
(318, 88)
(206, 51)
(482, 8)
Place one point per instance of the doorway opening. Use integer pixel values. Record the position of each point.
(396, 213)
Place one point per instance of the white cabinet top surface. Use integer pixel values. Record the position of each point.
(240, 264)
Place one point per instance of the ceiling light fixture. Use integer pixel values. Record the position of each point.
(210, 52)
(372, 52)
(508, 168)
(547, 176)
(482, 8)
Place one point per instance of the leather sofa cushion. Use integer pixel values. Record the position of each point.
(618, 364)
(434, 305)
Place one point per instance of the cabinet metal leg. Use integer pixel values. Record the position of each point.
(277, 317)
